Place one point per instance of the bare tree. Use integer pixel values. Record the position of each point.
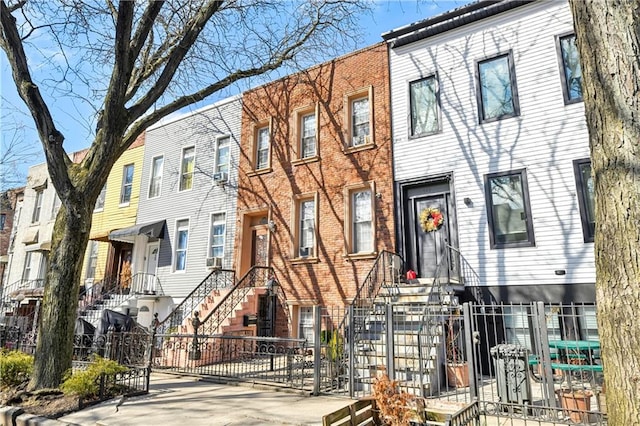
(134, 63)
(16, 151)
(609, 44)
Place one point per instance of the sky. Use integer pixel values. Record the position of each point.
(387, 15)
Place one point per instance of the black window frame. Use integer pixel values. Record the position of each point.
(412, 134)
(530, 242)
(588, 229)
(514, 88)
(563, 76)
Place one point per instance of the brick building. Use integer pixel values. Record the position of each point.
(315, 197)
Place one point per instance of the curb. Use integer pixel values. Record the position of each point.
(15, 416)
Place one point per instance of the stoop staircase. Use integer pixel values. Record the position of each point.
(399, 328)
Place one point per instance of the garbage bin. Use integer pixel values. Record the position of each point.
(511, 364)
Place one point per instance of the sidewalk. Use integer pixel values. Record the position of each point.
(193, 402)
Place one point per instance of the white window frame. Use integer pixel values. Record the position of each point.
(37, 206)
(181, 225)
(300, 226)
(355, 223)
(56, 206)
(100, 201)
(26, 269)
(350, 227)
(187, 176)
(308, 136)
(92, 260)
(263, 130)
(126, 185)
(306, 323)
(213, 221)
(222, 167)
(155, 178)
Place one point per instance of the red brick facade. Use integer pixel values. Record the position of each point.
(269, 196)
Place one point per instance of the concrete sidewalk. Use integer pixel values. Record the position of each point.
(193, 402)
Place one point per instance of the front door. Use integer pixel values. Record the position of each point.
(151, 258)
(429, 252)
(259, 246)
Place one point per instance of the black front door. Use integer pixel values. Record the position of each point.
(429, 252)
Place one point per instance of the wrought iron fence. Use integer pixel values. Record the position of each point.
(264, 359)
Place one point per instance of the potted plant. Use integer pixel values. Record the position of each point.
(576, 402)
(456, 366)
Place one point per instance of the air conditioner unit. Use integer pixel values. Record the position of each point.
(305, 251)
(220, 177)
(214, 262)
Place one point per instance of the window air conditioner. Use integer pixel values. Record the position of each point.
(220, 177)
(214, 262)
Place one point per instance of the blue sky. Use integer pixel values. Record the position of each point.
(387, 15)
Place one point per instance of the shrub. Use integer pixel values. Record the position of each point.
(394, 405)
(85, 383)
(15, 367)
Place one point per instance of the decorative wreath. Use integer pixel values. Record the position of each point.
(431, 219)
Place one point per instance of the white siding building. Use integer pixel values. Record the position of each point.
(489, 128)
(190, 181)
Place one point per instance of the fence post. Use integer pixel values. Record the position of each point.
(471, 340)
(108, 346)
(390, 344)
(317, 323)
(352, 351)
(541, 337)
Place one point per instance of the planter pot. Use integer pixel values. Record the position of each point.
(576, 403)
(457, 374)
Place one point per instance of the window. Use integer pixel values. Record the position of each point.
(306, 227)
(92, 260)
(262, 148)
(56, 206)
(571, 74)
(101, 198)
(361, 217)
(37, 208)
(186, 168)
(127, 184)
(222, 155)
(586, 199)
(497, 94)
(360, 132)
(155, 181)
(305, 324)
(26, 272)
(509, 213)
(217, 234)
(182, 241)
(3, 219)
(423, 100)
(308, 135)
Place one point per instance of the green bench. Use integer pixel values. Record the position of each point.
(595, 368)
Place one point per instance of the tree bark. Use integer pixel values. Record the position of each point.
(608, 41)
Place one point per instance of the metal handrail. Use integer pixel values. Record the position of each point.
(218, 278)
(256, 275)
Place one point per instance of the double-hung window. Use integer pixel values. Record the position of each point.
(496, 90)
(127, 184)
(423, 103)
(26, 271)
(308, 145)
(217, 234)
(362, 226)
(571, 73)
(187, 167)
(360, 130)
(222, 155)
(181, 244)
(509, 211)
(101, 197)
(305, 324)
(306, 227)
(155, 181)
(37, 206)
(56, 206)
(262, 148)
(92, 260)
(586, 198)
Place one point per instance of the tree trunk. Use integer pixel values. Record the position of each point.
(59, 308)
(608, 41)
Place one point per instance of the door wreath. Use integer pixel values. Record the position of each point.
(431, 219)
